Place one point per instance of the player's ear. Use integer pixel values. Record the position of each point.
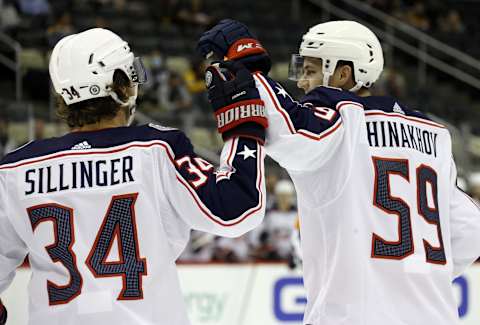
(121, 85)
(344, 75)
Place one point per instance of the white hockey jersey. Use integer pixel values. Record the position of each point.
(103, 216)
(384, 228)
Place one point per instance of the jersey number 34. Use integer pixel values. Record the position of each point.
(119, 223)
(383, 200)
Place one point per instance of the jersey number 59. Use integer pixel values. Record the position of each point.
(382, 199)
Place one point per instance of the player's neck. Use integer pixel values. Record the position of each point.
(364, 92)
(118, 121)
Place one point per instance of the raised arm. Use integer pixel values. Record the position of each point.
(304, 135)
(228, 201)
(231, 200)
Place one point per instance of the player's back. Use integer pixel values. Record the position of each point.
(384, 229)
(383, 254)
(413, 182)
(104, 215)
(374, 183)
(92, 210)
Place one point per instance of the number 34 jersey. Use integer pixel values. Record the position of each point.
(103, 216)
(384, 229)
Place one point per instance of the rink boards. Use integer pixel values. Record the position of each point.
(248, 294)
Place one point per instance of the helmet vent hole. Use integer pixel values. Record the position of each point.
(369, 46)
(94, 72)
(320, 33)
(101, 64)
(313, 45)
(90, 59)
(371, 53)
(371, 60)
(362, 70)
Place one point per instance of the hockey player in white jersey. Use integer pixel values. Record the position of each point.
(104, 211)
(384, 227)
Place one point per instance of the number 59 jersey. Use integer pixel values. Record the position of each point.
(384, 229)
(103, 216)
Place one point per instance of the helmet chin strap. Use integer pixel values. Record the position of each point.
(130, 103)
(357, 87)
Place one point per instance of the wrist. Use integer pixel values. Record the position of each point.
(248, 130)
(259, 62)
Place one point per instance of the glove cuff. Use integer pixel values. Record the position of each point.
(258, 62)
(245, 47)
(249, 130)
(251, 53)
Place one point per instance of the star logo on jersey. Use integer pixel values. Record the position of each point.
(247, 153)
(282, 92)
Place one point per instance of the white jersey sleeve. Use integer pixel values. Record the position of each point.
(12, 248)
(304, 137)
(465, 227)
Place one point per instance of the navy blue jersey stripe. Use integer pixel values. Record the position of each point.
(100, 139)
(329, 97)
(227, 198)
(310, 117)
(374, 105)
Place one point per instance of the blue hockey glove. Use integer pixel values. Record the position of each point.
(232, 40)
(239, 111)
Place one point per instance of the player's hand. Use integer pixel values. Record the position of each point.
(236, 101)
(3, 314)
(232, 40)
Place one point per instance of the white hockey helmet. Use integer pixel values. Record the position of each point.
(341, 41)
(82, 66)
